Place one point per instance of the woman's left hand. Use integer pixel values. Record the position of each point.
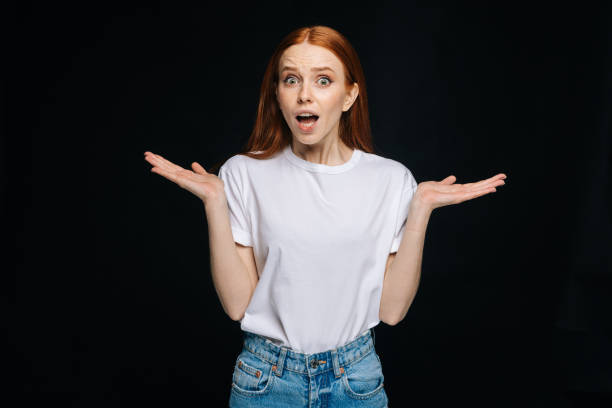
(434, 194)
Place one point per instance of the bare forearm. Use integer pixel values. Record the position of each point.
(229, 274)
(402, 278)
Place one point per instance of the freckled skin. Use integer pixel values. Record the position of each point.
(324, 92)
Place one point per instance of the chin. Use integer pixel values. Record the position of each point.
(307, 139)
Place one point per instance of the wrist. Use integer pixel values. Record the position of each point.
(214, 204)
(418, 216)
(419, 207)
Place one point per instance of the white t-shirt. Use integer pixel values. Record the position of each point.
(321, 236)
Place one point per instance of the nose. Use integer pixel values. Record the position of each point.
(304, 94)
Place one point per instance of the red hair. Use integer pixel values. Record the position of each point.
(271, 133)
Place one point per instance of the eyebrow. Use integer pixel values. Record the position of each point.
(312, 69)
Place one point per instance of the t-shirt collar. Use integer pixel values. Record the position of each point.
(321, 168)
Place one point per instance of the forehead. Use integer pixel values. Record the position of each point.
(305, 55)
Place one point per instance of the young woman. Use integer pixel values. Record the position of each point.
(314, 239)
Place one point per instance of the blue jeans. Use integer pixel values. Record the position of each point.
(267, 375)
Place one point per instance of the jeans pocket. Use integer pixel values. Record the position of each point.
(364, 378)
(252, 375)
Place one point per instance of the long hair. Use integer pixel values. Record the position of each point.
(271, 134)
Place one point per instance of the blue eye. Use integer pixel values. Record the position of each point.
(286, 80)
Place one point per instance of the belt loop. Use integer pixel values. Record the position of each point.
(335, 363)
(281, 362)
(373, 336)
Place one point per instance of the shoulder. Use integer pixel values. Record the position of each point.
(248, 165)
(237, 162)
(386, 166)
(232, 170)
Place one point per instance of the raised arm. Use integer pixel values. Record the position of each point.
(403, 271)
(233, 270)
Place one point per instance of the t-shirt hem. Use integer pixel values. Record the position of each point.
(373, 324)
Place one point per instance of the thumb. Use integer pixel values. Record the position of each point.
(198, 169)
(449, 180)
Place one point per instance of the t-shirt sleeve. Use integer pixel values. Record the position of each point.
(234, 192)
(408, 189)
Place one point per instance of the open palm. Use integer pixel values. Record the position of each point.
(436, 194)
(199, 182)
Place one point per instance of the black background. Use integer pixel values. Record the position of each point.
(109, 298)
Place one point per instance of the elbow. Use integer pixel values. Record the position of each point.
(392, 319)
(236, 315)
(238, 311)
(234, 312)
(391, 322)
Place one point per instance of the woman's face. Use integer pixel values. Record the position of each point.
(311, 80)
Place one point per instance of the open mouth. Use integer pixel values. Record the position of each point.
(306, 122)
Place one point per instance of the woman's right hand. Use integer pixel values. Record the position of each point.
(206, 186)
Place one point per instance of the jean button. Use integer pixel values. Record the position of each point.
(314, 364)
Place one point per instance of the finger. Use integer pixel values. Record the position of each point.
(449, 180)
(170, 175)
(496, 182)
(165, 164)
(156, 162)
(491, 181)
(471, 187)
(198, 169)
(169, 165)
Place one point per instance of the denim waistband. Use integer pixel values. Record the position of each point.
(285, 358)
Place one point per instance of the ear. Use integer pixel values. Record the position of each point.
(350, 97)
